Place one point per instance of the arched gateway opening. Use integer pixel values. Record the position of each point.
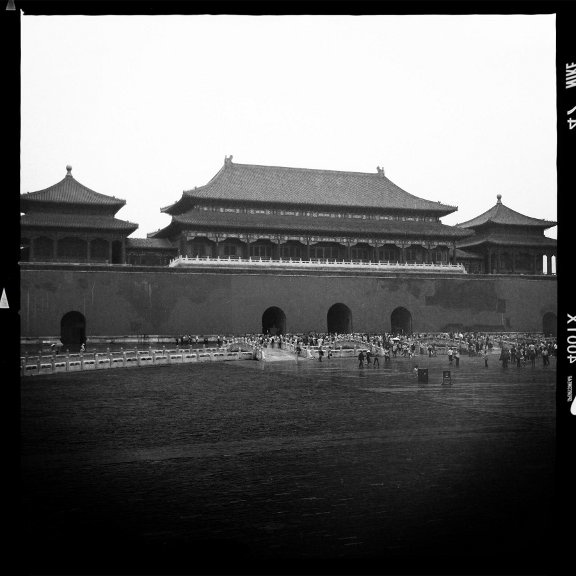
(401, 321)
(273, 321)
(339, 319)
(73, 330)
(549, 323)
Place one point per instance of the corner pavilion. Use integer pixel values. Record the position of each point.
(69, 222)
(507, 242)
(272, 212)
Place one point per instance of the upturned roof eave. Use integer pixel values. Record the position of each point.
(544, 241)
(179, 224)
(186, 202)
(69, 180)
(130, 227)
(543, 224)
(198, 194)
(499, 213)
(29, 202)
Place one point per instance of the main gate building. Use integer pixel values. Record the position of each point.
(262, 248)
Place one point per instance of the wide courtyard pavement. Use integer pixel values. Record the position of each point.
(252, 467)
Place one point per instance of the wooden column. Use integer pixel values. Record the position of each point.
(109, 251)
(31, 250)
(307, 247)
(455, 259)
(489, 271)
(55, 249)
(536, 268)
(88, 250)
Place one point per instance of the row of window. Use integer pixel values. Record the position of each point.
(296, 251)
(318, 214)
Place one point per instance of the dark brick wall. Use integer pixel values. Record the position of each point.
(133, 300)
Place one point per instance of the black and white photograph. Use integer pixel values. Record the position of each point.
(288, 289)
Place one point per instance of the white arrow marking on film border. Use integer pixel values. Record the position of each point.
(573, 407)
(4, 300)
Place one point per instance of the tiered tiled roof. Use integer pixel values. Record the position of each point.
(503, 239)
(69, 191)
(69, 205)
(76, 221)
(500, 214)
(229, 221)
(247, 183)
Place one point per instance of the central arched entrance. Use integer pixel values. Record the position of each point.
(401, 321)
(273, 321)
(339, 319)
(73, 330)
(549, 323)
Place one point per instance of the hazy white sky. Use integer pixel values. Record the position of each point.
(455, 108)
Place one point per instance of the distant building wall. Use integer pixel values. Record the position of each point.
(129, 300)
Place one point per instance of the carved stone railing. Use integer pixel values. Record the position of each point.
(314, 264)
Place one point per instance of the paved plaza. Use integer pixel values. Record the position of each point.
(247, 467)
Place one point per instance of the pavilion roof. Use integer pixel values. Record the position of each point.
(69, 191)
(466, 255)
(249, 183)
(501, 214)
(231, 221)
(504, 239)
(76, 222)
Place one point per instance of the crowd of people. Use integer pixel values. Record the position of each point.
(518, 348)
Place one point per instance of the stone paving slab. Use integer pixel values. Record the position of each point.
(305, 462)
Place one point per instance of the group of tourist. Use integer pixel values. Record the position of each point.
(520, 352)
(517, 349)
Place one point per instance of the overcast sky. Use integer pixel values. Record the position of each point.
(455, 108)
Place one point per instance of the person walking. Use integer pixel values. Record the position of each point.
(545, 358)
(361, 359)
(450, 354)
(504, 357)
(376, 359)
(485, 354)
(368, 357)
(457, 356)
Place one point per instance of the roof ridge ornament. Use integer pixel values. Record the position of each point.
(68, 170)
(228, 160)
(498, 198)
(380, 170)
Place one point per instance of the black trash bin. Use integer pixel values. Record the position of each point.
(423, 375)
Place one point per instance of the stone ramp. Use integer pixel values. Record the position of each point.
(278, 355)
